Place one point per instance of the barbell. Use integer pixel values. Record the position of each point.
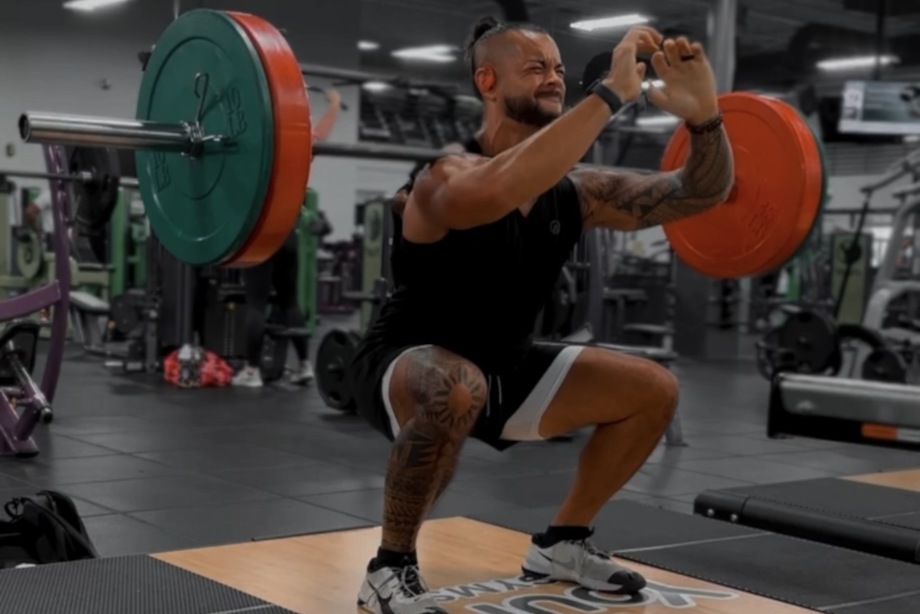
(223, 144)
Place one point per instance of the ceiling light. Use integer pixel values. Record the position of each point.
(376, 86)
(657, 120)
(90, 5)
(368, 46)
(864, 61)
(605, 23)
(430, 53)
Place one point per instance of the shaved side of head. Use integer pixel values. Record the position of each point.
(493, 43)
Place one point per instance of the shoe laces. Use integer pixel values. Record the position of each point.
(410, 582)
(589, 548)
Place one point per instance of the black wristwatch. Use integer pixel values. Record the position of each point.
(607, 95)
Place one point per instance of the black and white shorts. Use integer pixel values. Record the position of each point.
(517, 399)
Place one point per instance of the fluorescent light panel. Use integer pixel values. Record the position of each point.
(368, 45)
(864, 61)
(607, 23)
(90, 5)
(429, 53)
(376, 86)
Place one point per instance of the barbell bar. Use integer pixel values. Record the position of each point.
(223, 141)
(77, 177)
(64, 129)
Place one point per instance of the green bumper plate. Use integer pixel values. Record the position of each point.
(203, 209)
(817, 226)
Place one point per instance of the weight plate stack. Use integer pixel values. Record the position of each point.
(332, 377)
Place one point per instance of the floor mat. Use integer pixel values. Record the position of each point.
(627, 525)
(838, 496)
(865, 517)
(903, 604)
(911, 521)
(135, 584)
(786, 569)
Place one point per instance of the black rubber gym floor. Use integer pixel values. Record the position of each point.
(137, 584)
(155, 468)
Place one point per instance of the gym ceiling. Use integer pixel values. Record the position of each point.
(779, 41)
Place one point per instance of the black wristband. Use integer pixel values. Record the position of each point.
(710, 126)
(607, 95)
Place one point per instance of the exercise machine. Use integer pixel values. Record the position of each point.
(337, 347)
(278, 336)
(816, 342)
(23, 403)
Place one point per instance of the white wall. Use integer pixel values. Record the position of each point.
(55, 60)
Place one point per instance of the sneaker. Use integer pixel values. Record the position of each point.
(303, 375)
(397, 590)
(580, 562)
(247, 378)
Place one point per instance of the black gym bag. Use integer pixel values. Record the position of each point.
(45, 528)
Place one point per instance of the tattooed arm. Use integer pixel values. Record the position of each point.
(625, 200)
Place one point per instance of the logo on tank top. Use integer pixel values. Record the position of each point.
(555, 227)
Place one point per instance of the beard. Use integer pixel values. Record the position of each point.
(527, 110)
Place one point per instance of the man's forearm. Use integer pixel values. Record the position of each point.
(538, 163)
(704, 181)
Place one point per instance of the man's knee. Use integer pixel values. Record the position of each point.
(440, 388)
(665, 392)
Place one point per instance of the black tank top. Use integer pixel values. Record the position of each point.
(478, 292)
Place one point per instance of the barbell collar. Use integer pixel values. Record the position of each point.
(62, 129)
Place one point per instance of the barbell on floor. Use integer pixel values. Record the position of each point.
(223, 140)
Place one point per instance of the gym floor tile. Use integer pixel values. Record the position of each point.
(251, 520)
(85, 508)
(63, 447)
(88, 510)
(118, 535)
(51, 473)
(368, 504)
(473, 468)
(315, 478)
(844, 461)
(542, 456)
(91, 425)
(521, 491)
(165, 492)
(752, 469)
(218, 458)
(662, 481)
(290, 436)
(726, 427)
(672, 505)
(8, 482)
(152, 440)
(676, 455)
(741, 445)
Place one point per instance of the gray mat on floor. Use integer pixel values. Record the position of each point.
(909, 521)
(838, 496)
(786, 569)
(135, 584)
(904, 604)
(626, 524)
